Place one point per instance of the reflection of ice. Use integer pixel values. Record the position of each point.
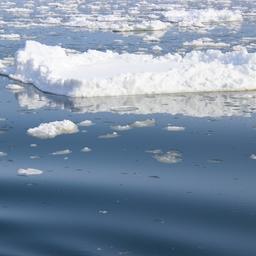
(191, 104)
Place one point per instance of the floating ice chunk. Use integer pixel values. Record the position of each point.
(108, 73)
(202, 17)
(253, 156)
(86, 149)
(86, 123)
(154, 151)
(53, 129)
(2, 154)
(103, 211)
(29, 171)
(144, 123)
(9, 37)
(157, 48)
(62, 152)
(125, 127)
(170, 157)
(34, 157)
(33, 145)
(14, 87)
(2, 119)
(206, 42)
(172, 128)
(109, 135)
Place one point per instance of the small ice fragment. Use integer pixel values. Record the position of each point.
(253, 156)
(86, 149)
(29, 171)
(144, 123)
(125, 127)
(154, 151)
(86, 123)
(157, 48)
(103, 212)
(3, 154)
(33, 145)
(109, 135)
(172, 128)
(9, 37)
(62, 152)
(2, 119)
(34, 157)
(215, 161)
(14, 87)
(53, 129)
(170, 157)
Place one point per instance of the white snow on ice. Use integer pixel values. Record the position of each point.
(95, 73)
(53, 129)
(29, 172)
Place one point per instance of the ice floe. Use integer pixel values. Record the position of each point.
(14, 87)
(86, 123)
(253, 156)
(206, 42)
(172, 128)
(96, 73)
(170, 157)
(109, 135)
(29, 172)
(144, 123)
(2, 154)
(62, 152)
(86, 149)
(202, 17)
(119, 128)
(53, 129)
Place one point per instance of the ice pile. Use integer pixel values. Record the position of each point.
(55, 70)
(201, 17)
(53, 129)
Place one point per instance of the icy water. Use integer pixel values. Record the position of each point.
(186, 191)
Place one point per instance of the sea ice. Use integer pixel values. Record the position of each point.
(86, 123)
(2, 154)
(109, 135)
(62, 152)
(96, 73)
(53, 129)
(170, 157)
(172, 128)
(86, 149)
(29, 172)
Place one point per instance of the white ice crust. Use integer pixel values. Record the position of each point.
(53, 129)
(52, 69)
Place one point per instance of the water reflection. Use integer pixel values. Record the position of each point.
(190, 104)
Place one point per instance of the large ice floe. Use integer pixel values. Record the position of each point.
(93, 73)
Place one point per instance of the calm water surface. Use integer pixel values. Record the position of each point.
(120, 199)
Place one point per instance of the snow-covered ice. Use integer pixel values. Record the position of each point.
(53, 129)
(62, 152)
(95, 73)
(170, 157)
(109, 135)
(29, 172)
(86, 149)
(173, 128)
(86, 123)
(2, 154)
